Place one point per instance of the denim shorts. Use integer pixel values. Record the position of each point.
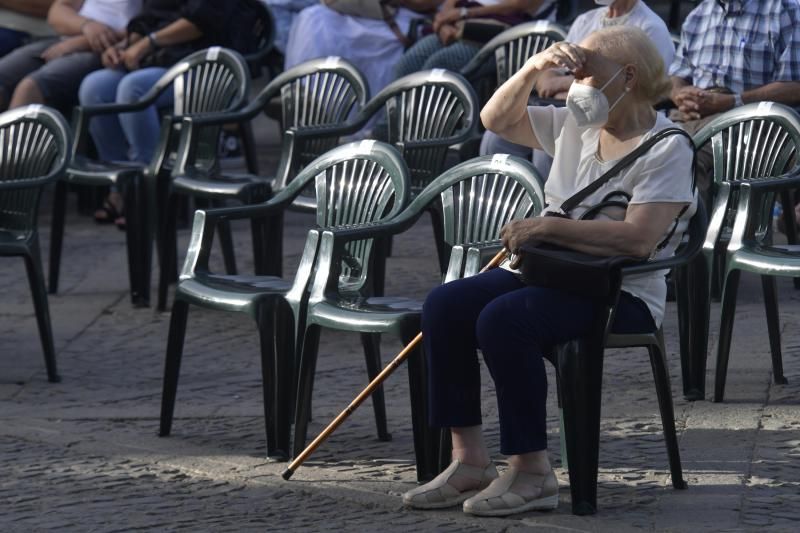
(58, 80)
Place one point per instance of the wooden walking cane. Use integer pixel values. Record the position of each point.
(374, 384)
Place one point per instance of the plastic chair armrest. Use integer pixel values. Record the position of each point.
(788, 181)
(17, 185)
(435, 143)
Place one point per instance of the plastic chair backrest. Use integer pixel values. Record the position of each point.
(207, 81)
(753, 141)
(423, 108)
(510, 50)
(262, 33)
(478, 197)
(34, 151)
(316, 93)
(357, 183)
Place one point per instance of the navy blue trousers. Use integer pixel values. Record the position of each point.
(513, 325)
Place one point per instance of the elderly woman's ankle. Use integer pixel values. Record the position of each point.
(472, 457)
(532, 463)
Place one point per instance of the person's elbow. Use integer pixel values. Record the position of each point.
(495, 122)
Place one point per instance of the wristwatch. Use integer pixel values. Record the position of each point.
(737, 100)
(464, 13)
(152, 38)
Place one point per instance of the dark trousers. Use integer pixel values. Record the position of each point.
(513, 325)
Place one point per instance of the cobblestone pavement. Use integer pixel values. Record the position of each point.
(82, 455)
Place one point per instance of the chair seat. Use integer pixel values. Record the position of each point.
(780, 260)
(87, 172)
(232, 293)
(13, 242)
(226, 185)
(378, 314)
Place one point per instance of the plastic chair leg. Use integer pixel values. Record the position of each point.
(273, 246)
(305, 387)
(226, 243)
(427, 441)
(168, 250)
(773, 328)
(276, 387)
(172, 367)
(729, 293)
(372, 354)
(258, 230)
(134, 235)
(658, 361)
(691, 284)
(249, 147)
(580, 365)
(57, 233)
(33, 265)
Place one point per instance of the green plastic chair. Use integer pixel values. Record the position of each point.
(478, 198)
(35, 143)
(210, 80)
(579, 368)
(358, 183)
(753, 141)
(509, 50)
(320, 92)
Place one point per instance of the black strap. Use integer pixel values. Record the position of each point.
(388, 18)
(570, 203)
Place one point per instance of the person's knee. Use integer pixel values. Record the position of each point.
(439, 304)
(496, 328)
(94, 89)
(26, 92)
(128, 90)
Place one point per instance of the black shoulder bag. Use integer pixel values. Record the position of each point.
(558, 267)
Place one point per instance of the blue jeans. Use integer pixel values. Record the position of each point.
(429, 53)
(127, 136)
(513, 325)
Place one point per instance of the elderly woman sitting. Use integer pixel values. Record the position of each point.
(619, 74)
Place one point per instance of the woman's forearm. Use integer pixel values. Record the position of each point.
(596, 237)
(510, 7)
(180, 31)
(509, 103)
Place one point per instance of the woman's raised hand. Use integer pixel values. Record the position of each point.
(559, 55)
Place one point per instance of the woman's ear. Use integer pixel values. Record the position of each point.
(631, 76)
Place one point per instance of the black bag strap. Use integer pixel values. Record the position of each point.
(570, 203)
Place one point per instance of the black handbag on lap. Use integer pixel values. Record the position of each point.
(558, 267)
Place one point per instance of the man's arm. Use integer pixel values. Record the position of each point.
(34, 8)
(783, 92)
(421, 5)
(63, 17)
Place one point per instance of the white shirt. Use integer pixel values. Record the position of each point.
(113, 13)
(640, 16)
(663, 174)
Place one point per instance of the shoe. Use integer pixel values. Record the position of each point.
(498, 499)
(439, 493)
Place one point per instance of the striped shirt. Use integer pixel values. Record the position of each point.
(739, 44)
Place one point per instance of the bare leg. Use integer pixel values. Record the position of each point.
(27, 92)
(470, 449)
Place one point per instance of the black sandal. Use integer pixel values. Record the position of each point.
(109, 213)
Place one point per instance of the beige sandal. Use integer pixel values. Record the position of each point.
(498, 499)
(439, 493)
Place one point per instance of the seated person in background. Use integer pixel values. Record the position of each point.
(158, 37)
(443, 48)
(732, 53)
(49, 71)
(555, 83)
(372, 45)
(284, 12)
(21, 20)
(514, 324)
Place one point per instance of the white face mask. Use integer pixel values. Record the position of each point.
(589, 105)
(603, 2)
